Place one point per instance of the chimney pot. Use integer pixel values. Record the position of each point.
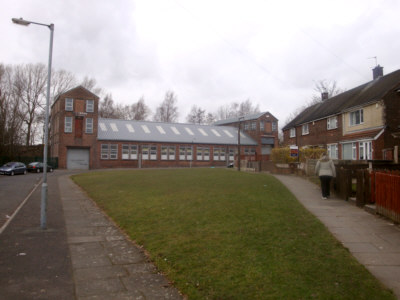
(377, 72)
(324, 96)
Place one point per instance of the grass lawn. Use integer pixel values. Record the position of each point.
(223, 234)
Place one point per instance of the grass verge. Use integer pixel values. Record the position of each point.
(222, 234)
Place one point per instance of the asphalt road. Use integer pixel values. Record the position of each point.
(13, 190)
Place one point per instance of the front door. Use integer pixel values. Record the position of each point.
(78, 127)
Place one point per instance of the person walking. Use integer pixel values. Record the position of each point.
(325, 170)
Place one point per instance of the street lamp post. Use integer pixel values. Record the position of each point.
(43, 203)
(240, 120)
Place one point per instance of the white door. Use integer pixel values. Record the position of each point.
(78, 159)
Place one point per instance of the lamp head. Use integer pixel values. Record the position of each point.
(20, 21)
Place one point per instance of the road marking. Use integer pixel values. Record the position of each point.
(18, 208)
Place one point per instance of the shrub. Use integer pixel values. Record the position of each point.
(282, 155)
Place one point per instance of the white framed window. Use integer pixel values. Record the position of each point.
(332, 151)
(125, 151)
(275, 126)
(253, 126)
(222, 154)
(104, 151)
(69, 104)
(349, 151)
(153, 152)
(292, 132)
(164, 152)
(199, 153)
(171, 152)
(356, 117)
(185, 153)
(365, 149)
(167, 152)
(129, 152)
(113, 151)
(304, 129)
(232, 154)
(145, 152)
(246, 126)
(68, 124)
(331, 123)
(89, 125)
(89, 105)
(262, 126)
(216, 152)
(206, 153)
(189, 153)
(182, 153)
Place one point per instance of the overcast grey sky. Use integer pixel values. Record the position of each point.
(209, 52)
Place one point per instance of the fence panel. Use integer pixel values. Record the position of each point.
(387, 194)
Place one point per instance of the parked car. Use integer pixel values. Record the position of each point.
(38, 167)
(13, 168)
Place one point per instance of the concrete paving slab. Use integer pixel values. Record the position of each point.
(104, 272)
(132, 295)
(99, 287)
(106, 264)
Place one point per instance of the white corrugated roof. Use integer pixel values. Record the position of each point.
(144, 131)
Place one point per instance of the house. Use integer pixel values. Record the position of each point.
(80, 139)
(360, 124)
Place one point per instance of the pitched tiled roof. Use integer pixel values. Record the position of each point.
(366, 93)
(144, 131)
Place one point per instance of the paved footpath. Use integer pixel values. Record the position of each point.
(373, 241)
(105, 263)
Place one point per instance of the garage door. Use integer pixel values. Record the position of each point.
(78, 159)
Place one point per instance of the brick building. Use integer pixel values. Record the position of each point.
(80, 139)
(262, 127)
(359, 124)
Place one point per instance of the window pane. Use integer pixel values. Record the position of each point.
(134, 151)
(68, 124)
(153, 152)
(89, 125)
(171, 152)
(89, 105)
(113, 151)
(104, 151)
(125, 151)
(69, 104)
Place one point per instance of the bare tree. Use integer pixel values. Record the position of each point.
(91, 85)
(236, 109)
(29, 86)
(61, 81)
(248, 108)
(11, 117)
(107, 107)
(139, 111)
(321, 86)
(210, 118)
(196, 115)
(324, 86)
(167, 111)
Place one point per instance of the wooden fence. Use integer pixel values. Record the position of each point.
(354, 180)
(385, 190)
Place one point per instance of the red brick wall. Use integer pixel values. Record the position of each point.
(61, 140)
(159, 163)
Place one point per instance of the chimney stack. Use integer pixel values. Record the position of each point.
(377, 72)
(324, 96)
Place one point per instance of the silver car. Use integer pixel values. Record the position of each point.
(13, 168)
